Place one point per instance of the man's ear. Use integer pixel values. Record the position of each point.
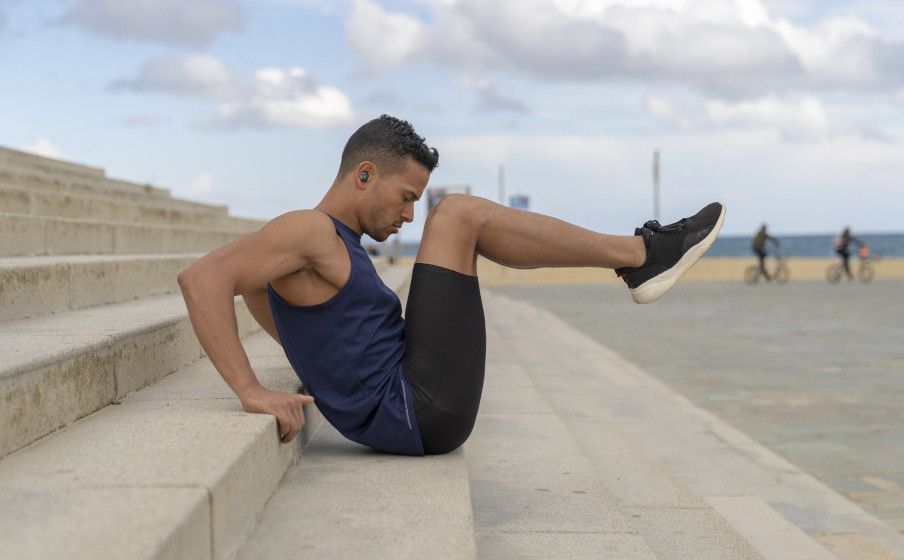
(365, 173)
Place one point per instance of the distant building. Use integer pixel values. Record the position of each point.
(520, 201)
(435, 194)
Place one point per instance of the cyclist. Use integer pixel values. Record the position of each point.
(842, 242)
(759, 248)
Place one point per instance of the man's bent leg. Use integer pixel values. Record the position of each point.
(445, 352)
(444, 324)
(461, 227)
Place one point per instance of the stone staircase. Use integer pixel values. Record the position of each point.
(118, 439)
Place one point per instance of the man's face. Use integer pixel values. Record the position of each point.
(393, 198)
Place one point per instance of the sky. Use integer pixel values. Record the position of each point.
(791, 112)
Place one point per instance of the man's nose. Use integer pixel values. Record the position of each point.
(408, 214)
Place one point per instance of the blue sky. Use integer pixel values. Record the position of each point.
(791, 112)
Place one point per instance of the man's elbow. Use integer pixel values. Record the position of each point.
(185, 278)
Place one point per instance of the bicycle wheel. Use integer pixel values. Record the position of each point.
(833, 273)
(866, 272)
(752, 274)
(781, 274)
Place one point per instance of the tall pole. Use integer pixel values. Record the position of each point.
(655, 184)
(502, 185)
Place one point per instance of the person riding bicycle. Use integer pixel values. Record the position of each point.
(842, 242)
(759, 248)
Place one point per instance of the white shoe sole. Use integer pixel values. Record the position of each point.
(655, 287)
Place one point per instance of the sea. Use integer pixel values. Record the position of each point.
(889, 245)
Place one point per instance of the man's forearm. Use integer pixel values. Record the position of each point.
(211, 308)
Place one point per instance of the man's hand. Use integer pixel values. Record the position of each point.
(285, 406)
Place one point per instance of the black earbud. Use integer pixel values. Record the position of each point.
(364, 176)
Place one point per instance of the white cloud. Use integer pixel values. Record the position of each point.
(200, 74)
(288, 98)
(729, 48)
(183, 22)
(43, 147)
(805, 119)
(274, 97)
(386, 38)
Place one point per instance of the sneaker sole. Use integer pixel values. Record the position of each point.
(656, 287)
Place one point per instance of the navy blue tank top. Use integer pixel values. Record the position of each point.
(348, 353)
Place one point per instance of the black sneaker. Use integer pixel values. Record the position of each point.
(671, 251)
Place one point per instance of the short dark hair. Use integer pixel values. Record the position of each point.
(386, 141)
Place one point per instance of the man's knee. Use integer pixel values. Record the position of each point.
(457, 209)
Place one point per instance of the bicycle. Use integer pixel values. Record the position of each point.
(780, 271)
(865, 271)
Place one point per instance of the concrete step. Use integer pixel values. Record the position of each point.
(37, 286)
(177, 470)
(61, 367)
(39, 171)
(104, 208)
(23, 235)
(32, 177)
(12, 158)
(671, 520)
(710, 457)
(17, 196)
(361, 504)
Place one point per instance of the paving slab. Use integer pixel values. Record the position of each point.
(343, 500)
(672, 519)
(770, 533)
(532, 489)
(173, 523)
(712, 458)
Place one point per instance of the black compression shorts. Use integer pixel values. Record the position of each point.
(445, 355)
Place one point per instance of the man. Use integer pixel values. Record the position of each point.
(842, 243)
(409, 386)
(759, 248)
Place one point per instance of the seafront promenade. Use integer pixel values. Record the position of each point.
(814, 372)
(120, 439)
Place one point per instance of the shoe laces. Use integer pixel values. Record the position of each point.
(655, 226)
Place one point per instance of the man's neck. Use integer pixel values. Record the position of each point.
(336, 205)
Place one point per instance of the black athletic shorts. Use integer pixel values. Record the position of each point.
(445, 339)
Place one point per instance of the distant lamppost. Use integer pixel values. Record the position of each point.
(655, 184)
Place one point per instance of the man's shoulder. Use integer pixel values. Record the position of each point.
(312, 232)
(305, 218)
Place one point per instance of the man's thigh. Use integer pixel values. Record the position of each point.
(450, 234)
(445, 352)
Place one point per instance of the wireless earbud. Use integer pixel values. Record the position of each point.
(364, 176)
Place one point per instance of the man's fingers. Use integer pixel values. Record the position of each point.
(294, 422)
(305, 399)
